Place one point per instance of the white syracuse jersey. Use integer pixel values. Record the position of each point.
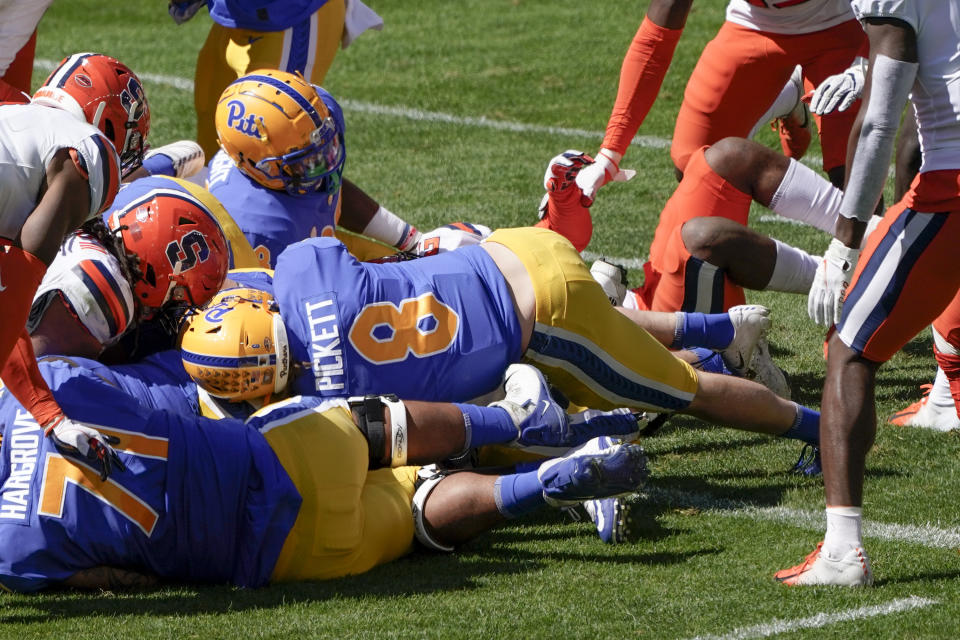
(30, 135)
(936, 89)
(789, 16)
(90, 281)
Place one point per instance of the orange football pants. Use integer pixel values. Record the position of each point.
(741, 72)
(906, 276)
(686, 283)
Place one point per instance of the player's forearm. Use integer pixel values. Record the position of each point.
(22, 377)
(643, 70)
(890, 86)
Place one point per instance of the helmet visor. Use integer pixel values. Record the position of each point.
(315, 167)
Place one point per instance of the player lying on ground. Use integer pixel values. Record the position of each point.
(295, 493)
(444, 328)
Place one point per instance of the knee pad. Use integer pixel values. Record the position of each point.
(427, 479)
(369, 416)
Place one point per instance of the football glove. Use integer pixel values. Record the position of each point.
(183, 11)
(830, 283)
(180, 159)
(841, 90)
(603, 170)
(562, 170)
(72, 436)
(450, 237)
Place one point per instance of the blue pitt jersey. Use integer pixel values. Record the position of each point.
(441, 328)
(262, 15)
(200, 500)
(272, 219)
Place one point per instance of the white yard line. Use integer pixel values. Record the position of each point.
(928, 535)
(819, 620)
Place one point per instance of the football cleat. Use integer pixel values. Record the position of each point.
(808, 464)
(927, 414)
(610, 517)
(612, 279)
(750, 325)
(542, 424)
(597, 469)
(794, 128)
(764, 370)
(851, 570)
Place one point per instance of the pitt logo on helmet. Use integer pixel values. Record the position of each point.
(283, 132)
(238, 120)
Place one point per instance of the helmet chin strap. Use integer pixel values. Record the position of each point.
(99, 114)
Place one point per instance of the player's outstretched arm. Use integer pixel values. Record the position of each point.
(641, 75)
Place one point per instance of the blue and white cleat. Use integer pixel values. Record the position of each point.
(542, 424)
(609, 516)
(597, 469)
(808, 464)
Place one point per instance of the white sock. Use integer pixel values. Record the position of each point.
(844, 530)
(807, 196)
(782, 105)
(793, 271)
(940, 395)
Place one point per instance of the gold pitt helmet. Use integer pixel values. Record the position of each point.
(236, 347)
(278, 130)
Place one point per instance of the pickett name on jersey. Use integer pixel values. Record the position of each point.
(326, 355)
(24, 443)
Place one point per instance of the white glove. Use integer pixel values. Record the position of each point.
(450, 237)
(842, 89)
(604, 169)
(186, 156)
(72, 436)
(830, 283)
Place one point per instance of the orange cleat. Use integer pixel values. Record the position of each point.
(851, 570)
(794, 130)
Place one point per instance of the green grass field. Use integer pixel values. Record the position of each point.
(453, 111)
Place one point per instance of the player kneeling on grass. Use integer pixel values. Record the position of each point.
(306, 489)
